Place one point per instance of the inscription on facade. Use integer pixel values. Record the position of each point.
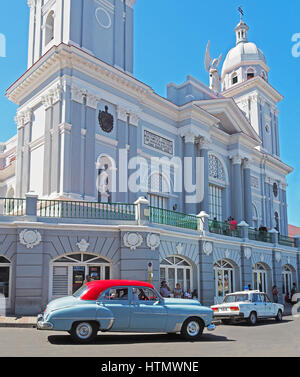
(158, 142)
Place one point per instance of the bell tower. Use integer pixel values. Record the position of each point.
(103, 28)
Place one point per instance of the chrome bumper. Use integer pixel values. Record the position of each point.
(43, 325)
(211, 327)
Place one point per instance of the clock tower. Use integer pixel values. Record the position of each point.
(103, 28)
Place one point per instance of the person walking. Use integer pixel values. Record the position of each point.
(293, 292)
(275, 294)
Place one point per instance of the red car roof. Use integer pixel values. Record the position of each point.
(98, 286)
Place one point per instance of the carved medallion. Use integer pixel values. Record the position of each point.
(83, 245)
(133, 240)
(207, 248)
(106, 120)
(153, 241)
(278, 256)
(30, 238)
(248, 253)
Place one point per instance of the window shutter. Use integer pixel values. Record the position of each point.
(60, 281)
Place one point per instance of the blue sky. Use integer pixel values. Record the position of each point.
(170, 42)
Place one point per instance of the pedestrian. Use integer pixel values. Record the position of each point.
(188, 294)
(275, 294)
(164, 289)
(178, 292)
(233, 224)
(87, 279)
(293, 292)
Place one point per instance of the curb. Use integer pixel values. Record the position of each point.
(18, 325)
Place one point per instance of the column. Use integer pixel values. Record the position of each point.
(31, 41)
(246, 266)
(237, 200)
(26, 153)
(47, 101)
(122, 155)
(189, 171)
(132, 142)
(247, 193)
(90, 170)
(204, 146)
(19, 119)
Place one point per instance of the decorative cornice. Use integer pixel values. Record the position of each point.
(130, 3)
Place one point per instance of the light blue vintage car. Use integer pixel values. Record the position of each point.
(124, 306)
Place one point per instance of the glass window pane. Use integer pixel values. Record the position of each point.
(107, 273)
(4, 281)
(94, 273)
(171, 278)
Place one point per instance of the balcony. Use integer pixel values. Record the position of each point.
(45, 210)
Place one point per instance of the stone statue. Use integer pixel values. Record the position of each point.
(212, 67)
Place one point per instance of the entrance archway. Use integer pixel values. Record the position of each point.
(5, 285)
(224, 279)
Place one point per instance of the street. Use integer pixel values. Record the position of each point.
(268, 338)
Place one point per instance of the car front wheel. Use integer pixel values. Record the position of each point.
(252, 319)
(279, 316)
(192, 329)
(83, 332)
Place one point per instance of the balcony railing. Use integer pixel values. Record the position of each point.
(85, 210)
(256, 235)
(12, 207)
(286, 241)
(166, 217)
(224, 229)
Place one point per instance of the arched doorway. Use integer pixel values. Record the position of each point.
(5, 285)
(287, 280)
(176, 269)
(224, 279)
(68, 272)
(260, 278)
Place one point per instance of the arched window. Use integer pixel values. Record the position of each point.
(224, 279)
(10, 193)
(69, 272)
(106, 180)
(49, 28)
(217, 179)
(159, 189)
(234, 78)
(250, 73)
(176, 269)
(287, 280)
(5, 275)
(260, 277)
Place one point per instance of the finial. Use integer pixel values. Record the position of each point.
(241, 13)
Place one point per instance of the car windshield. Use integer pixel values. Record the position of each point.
(80, 291)
(236, 298)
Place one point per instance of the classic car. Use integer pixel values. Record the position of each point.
(124, 306)
(247, 305)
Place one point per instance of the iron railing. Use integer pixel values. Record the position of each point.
(85, 210)
(286, 241)
(12, 207)
(262, 236)
(166, 217)
(224, 229)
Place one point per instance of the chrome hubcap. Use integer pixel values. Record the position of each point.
(84, 330)
(193, 328)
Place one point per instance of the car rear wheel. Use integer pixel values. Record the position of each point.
(83, 332)
(279, 316)
(252, 319)
(192, 329)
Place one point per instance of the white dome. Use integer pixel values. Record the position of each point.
(242, 52)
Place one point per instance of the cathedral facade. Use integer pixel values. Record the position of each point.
(108, 179)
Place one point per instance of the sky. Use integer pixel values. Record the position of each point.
(170, 42)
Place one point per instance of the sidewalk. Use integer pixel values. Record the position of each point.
(20, 322)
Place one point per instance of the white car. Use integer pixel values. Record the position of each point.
(247, 305)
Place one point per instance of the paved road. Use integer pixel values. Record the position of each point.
(266, 339)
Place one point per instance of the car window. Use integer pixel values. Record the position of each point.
(144, 294)
(256, 298)
(80, 291)
(115, 294)
(236, 298)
